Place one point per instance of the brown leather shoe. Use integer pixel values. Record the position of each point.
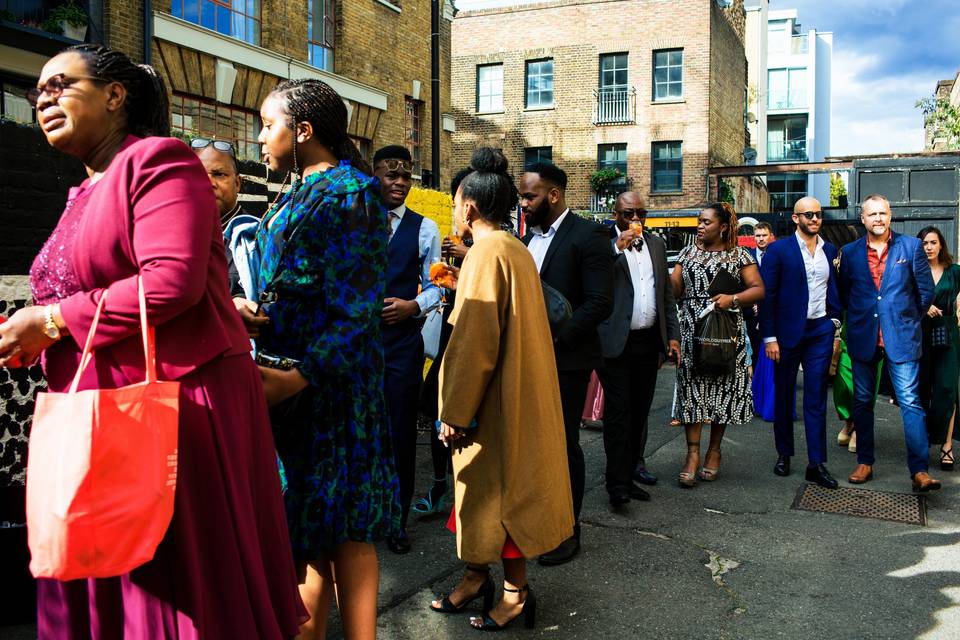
(861, 474)
(923, 482)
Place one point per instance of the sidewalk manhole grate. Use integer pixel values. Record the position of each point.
(882, 505)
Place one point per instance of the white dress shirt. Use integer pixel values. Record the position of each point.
(428, 243)
(760, 253)
(818, 271)
(541, 240)
(640, 263)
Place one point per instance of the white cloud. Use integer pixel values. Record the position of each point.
(874, 113)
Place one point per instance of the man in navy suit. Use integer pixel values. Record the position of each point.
(763, 235)
(799, 319)
(886, 287)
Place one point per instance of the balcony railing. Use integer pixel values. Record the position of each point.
(615, 106)
(798, 44)
(789, 150)
(40, 15)
(791, 99)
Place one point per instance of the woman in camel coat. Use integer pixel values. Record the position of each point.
(512, 484)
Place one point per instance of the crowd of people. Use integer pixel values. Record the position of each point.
(293, 463)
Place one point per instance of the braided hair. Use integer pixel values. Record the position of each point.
(146, 106)
(314, 101)
(726, 215)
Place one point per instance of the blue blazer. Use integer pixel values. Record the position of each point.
(906, 292)
(783, 310)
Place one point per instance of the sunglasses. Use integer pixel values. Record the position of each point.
(395, 164)
(810, 215)
(220, 145)
(630, 214)
(54, 87)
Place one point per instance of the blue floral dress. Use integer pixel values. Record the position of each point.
(333, 439)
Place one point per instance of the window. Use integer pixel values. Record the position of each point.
(364, 146)
(192, 117)
(787, 138)
(14, 105)
(533, 155)
(786, 88)
(667, 167)
(613, 156)
(668, 74)
(786, 189)
(412, 114)
(489, 88)
(539, 84)
(613, 72)
(237, 18)
(778, 36)
(320, 33)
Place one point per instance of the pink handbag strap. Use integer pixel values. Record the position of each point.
(149, 346)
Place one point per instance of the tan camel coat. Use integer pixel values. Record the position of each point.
(511, 471)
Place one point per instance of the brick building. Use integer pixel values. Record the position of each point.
(655, 89)
(946, 93)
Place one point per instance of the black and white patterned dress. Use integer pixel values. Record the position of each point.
(721, 399)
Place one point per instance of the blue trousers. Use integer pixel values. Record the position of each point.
(905, 377)
(813, 352)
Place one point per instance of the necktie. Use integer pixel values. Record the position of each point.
(390, 216)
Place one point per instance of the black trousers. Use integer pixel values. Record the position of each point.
(629, 382)
(403, 373)
(573, 393)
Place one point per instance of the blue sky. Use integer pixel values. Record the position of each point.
(887, 54)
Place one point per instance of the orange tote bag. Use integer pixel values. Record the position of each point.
(102, 471)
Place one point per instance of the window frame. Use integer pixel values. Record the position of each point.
(526, 84)
(616, 147)
(246, 149)
(481, 67)
(19, 83)
(412, 124)
(327, 43)
(626, 69)
(540, 156)
(654, 170)
(789, 72)
(668, 83)
(178, 8)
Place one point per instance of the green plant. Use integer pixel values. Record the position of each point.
(837, 189)
(943, 119)
(725, 192)
(602, 178)
(70, 13)
(7, 15)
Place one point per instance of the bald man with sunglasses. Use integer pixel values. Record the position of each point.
(799, 323)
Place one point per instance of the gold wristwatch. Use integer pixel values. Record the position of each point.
(50, 327)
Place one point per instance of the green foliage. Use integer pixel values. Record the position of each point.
(837, 188)
(943, 118)
(71, 13)
(725, 192)
(601, 179)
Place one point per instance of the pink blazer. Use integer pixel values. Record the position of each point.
(152, 213)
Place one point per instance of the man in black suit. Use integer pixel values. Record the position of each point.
(638, 335)
(573, 256)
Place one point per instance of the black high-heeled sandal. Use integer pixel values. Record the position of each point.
(485, 591)
(528, 611)
(946, 459)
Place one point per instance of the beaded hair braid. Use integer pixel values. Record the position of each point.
(147, 108)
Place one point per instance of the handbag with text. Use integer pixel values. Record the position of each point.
(102, 471)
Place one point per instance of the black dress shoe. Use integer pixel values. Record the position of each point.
(644, 477)
(399, 544)
(821, 476)
(619, 497)
(636, 493)
(782, 468)
(562, 554)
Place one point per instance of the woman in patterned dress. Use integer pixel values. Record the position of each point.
(323, 253)
(702, 399)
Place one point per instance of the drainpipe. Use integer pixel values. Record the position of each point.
(434, 91)
(147, 29)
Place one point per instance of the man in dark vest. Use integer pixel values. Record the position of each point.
(413, 245)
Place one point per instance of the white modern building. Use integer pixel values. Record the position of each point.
(789, 72)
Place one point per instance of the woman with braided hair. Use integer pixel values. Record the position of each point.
(224, 568)
(323, 250)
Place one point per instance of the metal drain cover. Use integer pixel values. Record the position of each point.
(882, 505)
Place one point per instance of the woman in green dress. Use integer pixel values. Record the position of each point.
(940, 367)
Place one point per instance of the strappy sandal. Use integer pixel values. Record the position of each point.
(946, 459)
(429, 504)
(688, 479)
(710, 474)
(485, 591)
(528, 611)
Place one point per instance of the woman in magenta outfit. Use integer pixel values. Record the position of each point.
(224, 569)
